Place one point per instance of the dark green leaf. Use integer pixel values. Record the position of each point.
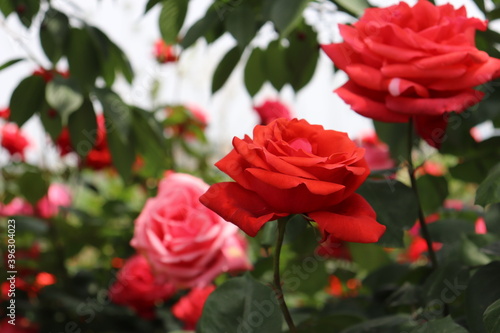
(122, 151)
(489, 190)
(83, 57)
(225, 68)
(353, 7)
(395, 135)
(51, 121)
(26, 11)
(33, 186)
(82, 126)
(388, 324)
(492, 317)
(395, 205)
(241, 24)
(116, 111)
(482, 291)
(30, 224)
(171, 19)
(200, 28)
(285, 14)
(9, 63)
(330, 323)
(241, 304)
(368, 256)
(445, 284)
(27, 98)
(275, 65)
(449, 230)
(443, 325)
(54, 32)
(64, 95)
(254, 74)
(433, 191)
(6, 7)
(150, 4)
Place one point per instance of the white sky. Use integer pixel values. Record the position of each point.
(189, 82)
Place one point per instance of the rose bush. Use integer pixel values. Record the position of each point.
(186, 243)
(415, 63)
(293, 167)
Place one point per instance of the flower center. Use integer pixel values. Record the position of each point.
(301, 143)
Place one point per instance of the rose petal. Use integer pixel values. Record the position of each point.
(432, 129)
(353, 220)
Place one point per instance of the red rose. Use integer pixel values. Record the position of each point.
(415, 63)
(292, 167)
(271, 110)
(163, 52)
(136, 287)
(5, 113)
(13, 140)
(186, 243)
(190, 307)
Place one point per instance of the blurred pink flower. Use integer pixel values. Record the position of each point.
(271, 110)
(376, 152)
(13, 140)
(186, 243)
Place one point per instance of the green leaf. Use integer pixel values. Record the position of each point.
(30, 224)
(329, 323)
(29, 9)
(83, 57)
(482, 291)
(302, 56)
(443, 325)
(9, 63)
(82, 125)
(241, 304)
(200, 28)
(368, 256)
(395, 205)
(353, 7)
(395, 135)
(285, 14)
(491, 317)
(225, 68)
(389, 324)
(64, 95)
(33, 186)
(171, 19)
(6, 7)
(489, 190)
(27, 98)
(254, 74)
(151, 4)
(54, 32)
(433, 191)
(122, 151)
(117, 113)
(445, 284)
(51, 121)
(449, 230)
(275, 65)
(241, 24)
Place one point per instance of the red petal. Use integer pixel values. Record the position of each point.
(353, 220)
(239, 206)
(432, 129)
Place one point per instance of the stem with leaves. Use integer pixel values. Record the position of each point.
(277, 278)
(421, 217)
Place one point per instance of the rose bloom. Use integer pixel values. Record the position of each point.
(137, 288)
(13, 140)
(271, 110)
(376, 152)
(164, 53)
(99, 156)
(57, 195)
(415, 63)
(186, 243)
(293, 167)
(190, 307)
(5, 113)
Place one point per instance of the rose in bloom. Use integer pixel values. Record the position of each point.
(415, 63)
(186, 243)
(164, 53)
(137, 288)
(271, 110)
(57, 195)
(5, 113)
(190, 307)
(293, 167)
(99, 156)
(376, 152)
(13, 140)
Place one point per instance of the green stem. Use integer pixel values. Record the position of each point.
(277, 279)
(421, 217)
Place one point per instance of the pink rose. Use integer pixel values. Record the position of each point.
(376, 152)
(271, 110)
(190, 307)
(186, 243)
(136, 287)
